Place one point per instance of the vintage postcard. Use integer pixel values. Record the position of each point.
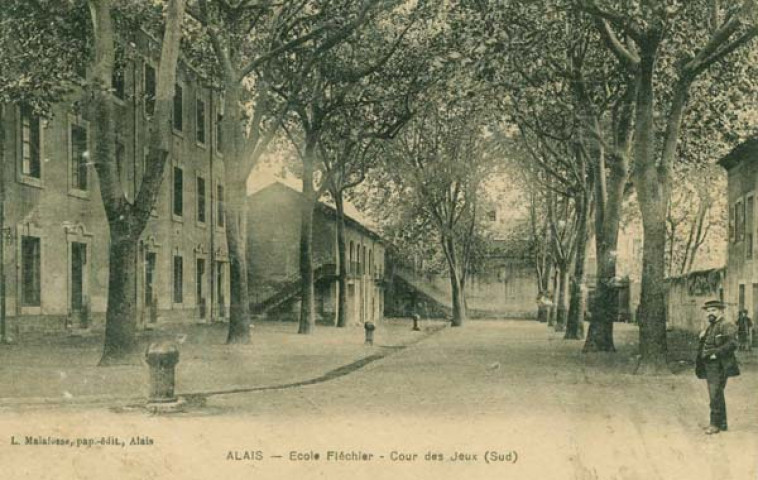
(378, 239)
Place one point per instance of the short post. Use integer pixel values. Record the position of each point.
(369, 327)
(416, 318)
(162, 358)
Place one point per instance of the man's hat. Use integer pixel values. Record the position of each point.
(714, 304)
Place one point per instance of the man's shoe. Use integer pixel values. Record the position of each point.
(711, 430)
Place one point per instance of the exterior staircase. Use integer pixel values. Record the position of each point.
(290, 289)
(414, 294)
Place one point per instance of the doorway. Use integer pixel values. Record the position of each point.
(151, 259)
(220, 290)
(78, 291)
(199, 282)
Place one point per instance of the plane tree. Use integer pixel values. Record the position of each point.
(127, 218)
(437, 165)
(664, 49)
(237, 44)
(320, 84)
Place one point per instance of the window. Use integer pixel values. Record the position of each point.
(220, 205)
(199, 280)
(370, 261)
(120, 157)
(200, 125)
(79, 156)
(121, 166)
(117, 83)
(731, 223)
(219, 132)
(201, 199)
(749, 227)
(220, 123)
(178, 108)
(364, 261)
(178, 192)
(352, 258)
(30, 271)
(492, 215)
(31, 165)
(149, 89)
(739, 218)
(178, 279)
(220, 287)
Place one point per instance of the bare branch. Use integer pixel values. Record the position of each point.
(624, 54)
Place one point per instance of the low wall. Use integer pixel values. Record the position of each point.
(686, 296)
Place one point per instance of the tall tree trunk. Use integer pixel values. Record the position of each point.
(555, 280)
(543, 309)
(456, 285)
(609, 200)
(563, 294)
(653, 200)
(459, 300)
(234, 212)
(121, 315)
(605, 307)
(127, 221)
(239, 304)
(652, 300)
(577, 301)
(308, 302)
(341, 260)
(3, 319)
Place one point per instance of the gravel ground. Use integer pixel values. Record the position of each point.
(64, 368)
(490, 386)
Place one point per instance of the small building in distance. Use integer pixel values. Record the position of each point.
(273, 252)
(741, 279)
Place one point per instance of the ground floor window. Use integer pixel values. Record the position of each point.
(78, 262)
(199, 280)
(178, 275)
(31, 292)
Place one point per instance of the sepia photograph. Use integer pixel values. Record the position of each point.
(378, 239)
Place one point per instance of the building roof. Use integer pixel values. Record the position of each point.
(740, 153)
(325, 208)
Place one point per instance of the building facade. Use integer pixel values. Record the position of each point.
(741, 279)
(56, 234)
(273, 243)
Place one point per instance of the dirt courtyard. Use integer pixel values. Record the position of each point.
(493, 399)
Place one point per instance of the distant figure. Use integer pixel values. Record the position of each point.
(715, 362)
(744, 331)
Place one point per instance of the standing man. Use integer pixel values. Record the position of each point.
(744, 327)
(716, 362)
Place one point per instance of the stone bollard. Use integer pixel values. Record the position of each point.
(162, 358)
(416, 319)
(369, 327)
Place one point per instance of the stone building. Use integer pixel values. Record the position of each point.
(741, 280)
(273, 243)
(56, 235)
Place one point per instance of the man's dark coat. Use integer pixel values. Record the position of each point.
(725, 346)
